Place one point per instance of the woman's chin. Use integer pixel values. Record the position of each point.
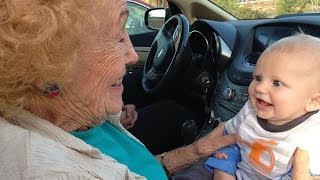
(115, 107)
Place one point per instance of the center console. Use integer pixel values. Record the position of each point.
(228, 100)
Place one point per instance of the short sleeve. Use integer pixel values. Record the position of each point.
(308, 141)
(234, 123)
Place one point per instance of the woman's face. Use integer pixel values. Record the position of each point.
(101, 62)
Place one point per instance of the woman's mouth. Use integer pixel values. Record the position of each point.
(118, 83)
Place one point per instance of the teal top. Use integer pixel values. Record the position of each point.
(113, 142)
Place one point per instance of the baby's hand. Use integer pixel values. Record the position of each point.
(128, 116)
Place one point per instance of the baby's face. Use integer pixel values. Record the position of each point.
(281, 86)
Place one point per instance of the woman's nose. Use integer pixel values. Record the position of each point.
(131, 55)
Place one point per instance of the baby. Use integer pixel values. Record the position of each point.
(281, 115)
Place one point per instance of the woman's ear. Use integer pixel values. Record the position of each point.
(314, 103)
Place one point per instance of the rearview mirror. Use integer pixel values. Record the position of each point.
(155, 18)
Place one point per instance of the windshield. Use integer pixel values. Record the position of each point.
(256, 9)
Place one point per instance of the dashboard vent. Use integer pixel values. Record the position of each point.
(252, 58)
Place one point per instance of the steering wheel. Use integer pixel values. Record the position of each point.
(167, 55)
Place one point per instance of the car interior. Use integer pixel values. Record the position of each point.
(203, 58)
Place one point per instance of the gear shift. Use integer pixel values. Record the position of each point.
(188, 131)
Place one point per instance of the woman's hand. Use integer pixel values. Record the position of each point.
(214, 141)
(301, 166)
(184, 157)
(128, 116)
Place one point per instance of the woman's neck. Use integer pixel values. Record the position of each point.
(68, 118)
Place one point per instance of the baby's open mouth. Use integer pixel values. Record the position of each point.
(263, 103)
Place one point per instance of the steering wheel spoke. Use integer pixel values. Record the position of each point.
(167, 55)
(176, 37)
(153, 77)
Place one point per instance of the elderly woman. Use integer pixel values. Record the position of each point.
(62, 64)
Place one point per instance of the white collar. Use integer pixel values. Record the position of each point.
(30, 121)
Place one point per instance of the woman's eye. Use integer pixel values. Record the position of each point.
(121, 40)
(257, 78)
(277, 83)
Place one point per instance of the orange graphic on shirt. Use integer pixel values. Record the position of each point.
(259, 147)
(220, 155)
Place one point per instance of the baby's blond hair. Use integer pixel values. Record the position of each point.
(297, 43)
(306, 46)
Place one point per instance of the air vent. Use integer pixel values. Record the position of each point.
(252, 58)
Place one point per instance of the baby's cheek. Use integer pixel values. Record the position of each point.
(251, 89)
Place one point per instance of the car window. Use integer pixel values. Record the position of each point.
(135, 23)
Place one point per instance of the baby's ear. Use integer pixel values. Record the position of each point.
(314, 103)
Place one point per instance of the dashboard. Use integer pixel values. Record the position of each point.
(235, 47)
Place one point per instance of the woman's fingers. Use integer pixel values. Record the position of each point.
(135, 117)
(301, 157)
(128, 116)
(206, 146)
(301, 165)
(130, 109)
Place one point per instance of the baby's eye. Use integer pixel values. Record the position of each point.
(277, 83)
(257, 78)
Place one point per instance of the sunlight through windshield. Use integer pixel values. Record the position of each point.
(256, 9)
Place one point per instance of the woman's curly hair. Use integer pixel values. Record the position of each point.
(39, 40)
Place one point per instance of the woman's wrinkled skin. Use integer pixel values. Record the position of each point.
(181, 158)
(96, 88)
(102, 67)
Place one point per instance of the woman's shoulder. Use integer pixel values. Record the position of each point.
(27, 154)
(12, 135)
(14, 150)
